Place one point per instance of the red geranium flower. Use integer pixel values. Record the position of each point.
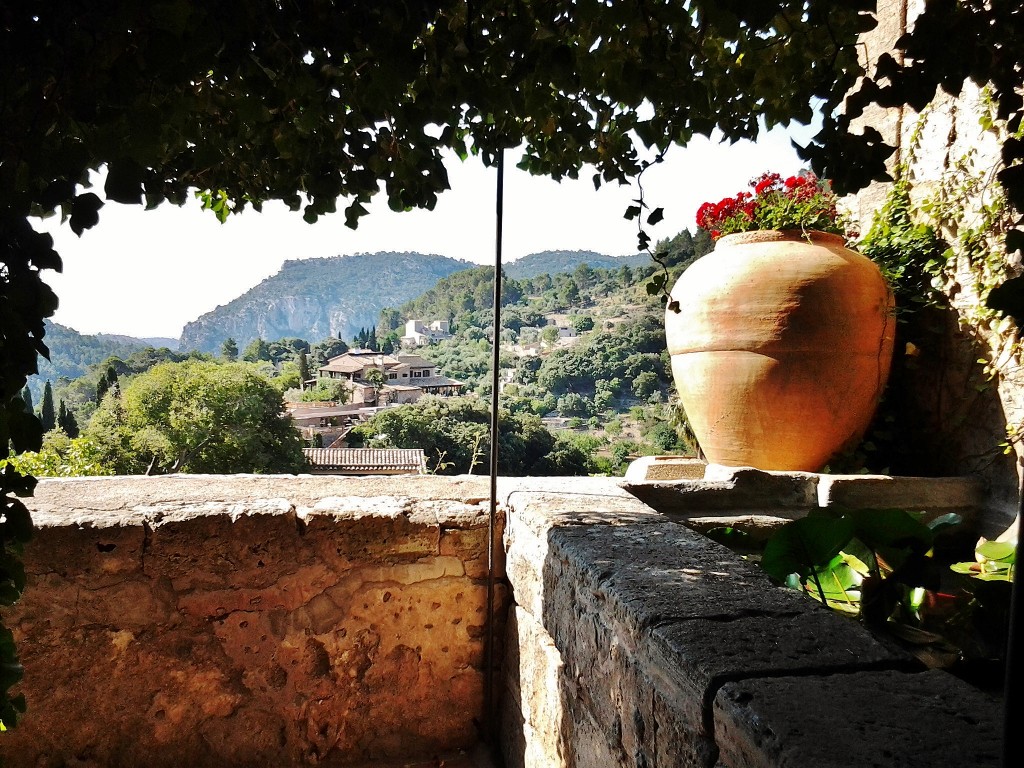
(798, 202)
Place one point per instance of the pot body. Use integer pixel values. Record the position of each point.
(781, 348)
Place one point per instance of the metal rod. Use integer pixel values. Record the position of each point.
(493, 512)
(1013, 707)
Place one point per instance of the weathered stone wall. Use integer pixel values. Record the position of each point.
(236, 621)
(957, 409)
(637, 642)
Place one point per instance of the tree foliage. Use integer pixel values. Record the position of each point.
(196, 417)
(454, 434)
(47, 412)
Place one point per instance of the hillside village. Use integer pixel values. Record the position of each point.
(375, 380)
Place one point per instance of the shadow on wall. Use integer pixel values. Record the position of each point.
(942, 415)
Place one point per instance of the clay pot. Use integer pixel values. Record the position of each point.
(781, 348)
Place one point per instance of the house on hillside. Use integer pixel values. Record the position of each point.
(420, 334)
(402, 378)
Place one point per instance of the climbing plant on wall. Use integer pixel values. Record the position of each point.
(949, 43)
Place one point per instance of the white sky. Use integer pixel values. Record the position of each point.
(147, 273)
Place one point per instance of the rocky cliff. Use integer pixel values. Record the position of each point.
(316, 298)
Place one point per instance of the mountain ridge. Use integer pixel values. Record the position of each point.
(319, 298)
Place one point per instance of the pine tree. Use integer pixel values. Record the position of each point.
(47, 413)
(229, 350)
(26, 398)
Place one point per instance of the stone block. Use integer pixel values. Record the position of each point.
(660, 468)
(651, 574)
(888, 718)
(710, 652)
(575, 501)
(740, 490)
(927, 494)
(532, 672)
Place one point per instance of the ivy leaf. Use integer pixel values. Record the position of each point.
(632, 212)
(879, 528)
(656, 216)
(57, 192)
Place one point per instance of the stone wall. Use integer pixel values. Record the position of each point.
(636, 642)
(220, 621)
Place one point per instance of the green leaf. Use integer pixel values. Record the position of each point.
(999, 551)
(941, 523)
(803, 545)
(124, 182)
(884, 528)
(969, 568)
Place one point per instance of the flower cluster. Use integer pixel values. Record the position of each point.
(799, 202)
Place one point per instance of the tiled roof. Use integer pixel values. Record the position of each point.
(367, 460)
(436, 381)
(414, 361)
(347, 365)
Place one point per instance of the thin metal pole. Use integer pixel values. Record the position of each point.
(1013, 707)
(493, 512)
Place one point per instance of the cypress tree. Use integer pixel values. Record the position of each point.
(101, 389)
(66, 420)
(47, 413)
(303, 369)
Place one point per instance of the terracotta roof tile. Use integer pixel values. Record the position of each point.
(356, 460)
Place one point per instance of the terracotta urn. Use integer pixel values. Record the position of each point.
(781, 348)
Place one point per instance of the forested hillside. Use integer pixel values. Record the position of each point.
(72, 354)
(316, 298)
(555, 262)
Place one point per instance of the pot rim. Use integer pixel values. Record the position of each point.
(780, 235)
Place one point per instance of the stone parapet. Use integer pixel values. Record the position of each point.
(637, 642)
(725, 492)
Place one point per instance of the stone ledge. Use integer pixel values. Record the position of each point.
(650, 624)
(752, 492)
(889, 718)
